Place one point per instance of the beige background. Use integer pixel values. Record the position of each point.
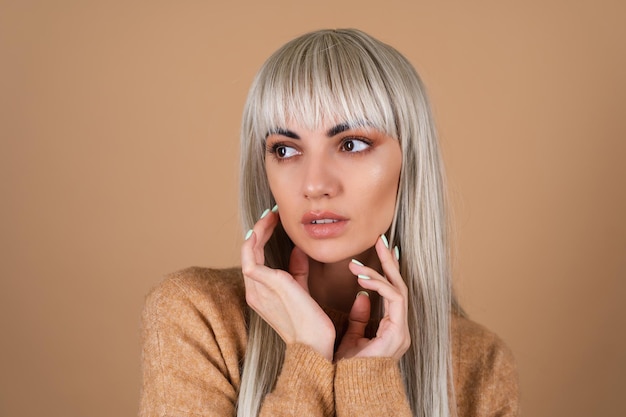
(119, 141)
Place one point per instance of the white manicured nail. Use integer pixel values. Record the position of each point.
(385, 241)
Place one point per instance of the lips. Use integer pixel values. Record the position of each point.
(323, 225)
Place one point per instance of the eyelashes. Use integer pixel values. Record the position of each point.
(355, 145)
(281, 151)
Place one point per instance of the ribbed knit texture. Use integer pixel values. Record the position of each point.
(358, 388)
(302, 391)
(194, 340)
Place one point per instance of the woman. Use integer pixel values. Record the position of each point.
(346, 272)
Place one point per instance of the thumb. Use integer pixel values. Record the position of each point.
(299, 267)
(359, 315)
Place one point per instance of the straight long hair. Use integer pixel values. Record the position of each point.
(338, 76)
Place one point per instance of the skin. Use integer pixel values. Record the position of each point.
(352, 172)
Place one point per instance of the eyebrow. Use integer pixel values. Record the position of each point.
(282, 132)
(338, 129)
(333, 131)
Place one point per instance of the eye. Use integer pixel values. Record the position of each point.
(354, 145)
(282, 151)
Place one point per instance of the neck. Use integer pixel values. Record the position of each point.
(333, 285)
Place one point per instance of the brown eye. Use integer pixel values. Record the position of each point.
(282, 151)
(354, 145)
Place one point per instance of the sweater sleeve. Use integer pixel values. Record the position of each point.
(304, 386)
(193, 340)
(370, 387)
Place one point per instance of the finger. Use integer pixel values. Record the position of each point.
(390, 265)
(359, 315)
(366, 273)
(394, 300)
(248, 258)
(381, 286)
(299, 267)
(394, 304)
(396, 255)
(249, 264)
(263, 230)
(251, 251)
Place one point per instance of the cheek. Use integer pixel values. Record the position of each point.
(282, 191)
(381, 185)
(382, 189)
(387, 200)
(274, 182)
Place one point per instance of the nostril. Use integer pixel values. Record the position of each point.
(320, 179)
(314, 195)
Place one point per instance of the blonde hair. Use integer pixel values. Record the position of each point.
(339, 76)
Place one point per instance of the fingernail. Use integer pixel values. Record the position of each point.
(385, 241)
(363, 293)
(354, 261)
(396, 251)
(248, 235)
(265, 213)
(275, 208)
(361, 276)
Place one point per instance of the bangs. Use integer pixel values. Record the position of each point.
(324, 81)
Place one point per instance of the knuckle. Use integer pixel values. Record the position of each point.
(405, 342)
(398, 298)
(247, 270)
(406, 345)
(403, 291)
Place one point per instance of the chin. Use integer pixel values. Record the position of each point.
(328, 253)
(332, 250)
(326, 258)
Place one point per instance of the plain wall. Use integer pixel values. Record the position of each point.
(119, 126)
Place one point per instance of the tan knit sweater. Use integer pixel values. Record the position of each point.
(194, 339)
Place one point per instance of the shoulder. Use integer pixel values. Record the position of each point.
(485, 374)
(193, 340)
(473, 340)
(203, 285)
(211, 292)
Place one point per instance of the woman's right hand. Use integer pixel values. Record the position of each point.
(282, 298)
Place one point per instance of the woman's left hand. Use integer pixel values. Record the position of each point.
(392, 338)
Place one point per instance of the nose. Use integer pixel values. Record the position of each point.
(321, 179)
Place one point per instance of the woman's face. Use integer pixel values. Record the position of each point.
(335, 187)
